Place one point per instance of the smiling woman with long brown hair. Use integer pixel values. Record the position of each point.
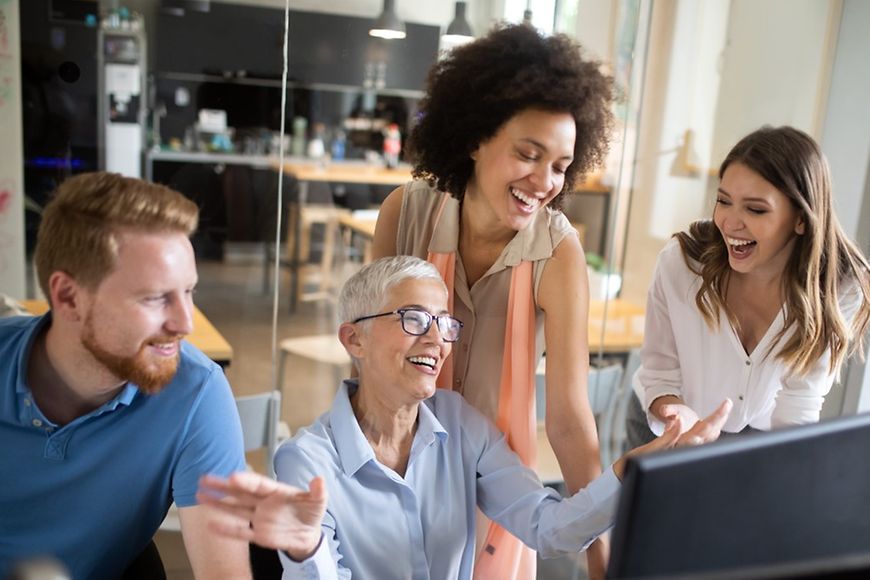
(761, 304)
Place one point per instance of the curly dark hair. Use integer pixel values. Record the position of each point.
(480, 86)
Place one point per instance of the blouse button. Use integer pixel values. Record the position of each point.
(37, 423)
(748, 362)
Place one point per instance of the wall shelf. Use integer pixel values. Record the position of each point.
(276, 83)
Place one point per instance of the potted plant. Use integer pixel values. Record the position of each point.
(604, 284)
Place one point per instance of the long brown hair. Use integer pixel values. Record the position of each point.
(823, 262)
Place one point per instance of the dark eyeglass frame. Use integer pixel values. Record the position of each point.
(431, 317)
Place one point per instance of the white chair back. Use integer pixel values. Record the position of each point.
(619, 438)
(603, 386)
(259, 415)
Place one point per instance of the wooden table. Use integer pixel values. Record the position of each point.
(357, 172)
(347, 172)
(623, 330)
(364, 227)
(205, 336)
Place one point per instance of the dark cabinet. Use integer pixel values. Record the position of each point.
(238, 42)
(228, 39)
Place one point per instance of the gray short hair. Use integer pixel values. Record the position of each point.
(367, 291)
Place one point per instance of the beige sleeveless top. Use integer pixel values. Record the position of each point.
(477, 357)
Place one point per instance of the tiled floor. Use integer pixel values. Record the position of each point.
(230, 293)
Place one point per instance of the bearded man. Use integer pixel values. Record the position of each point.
(107, 415)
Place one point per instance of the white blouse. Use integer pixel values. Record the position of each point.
(683, 356)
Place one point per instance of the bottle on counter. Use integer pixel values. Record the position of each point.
(297, 145)
(316, 147)
(339, 146)
(392, 145)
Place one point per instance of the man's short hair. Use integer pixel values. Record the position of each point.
(79, 227)
(367, 291)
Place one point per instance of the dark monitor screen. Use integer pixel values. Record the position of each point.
(784, 504)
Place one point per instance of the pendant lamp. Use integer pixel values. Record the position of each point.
(388, 24)
(527, 13)
(459, 30)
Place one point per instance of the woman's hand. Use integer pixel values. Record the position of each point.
(669, 408)
(701, 432)
(266, 512)
(708, 429)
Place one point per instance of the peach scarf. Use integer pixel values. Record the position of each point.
(503, 556)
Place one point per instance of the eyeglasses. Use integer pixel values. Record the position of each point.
(417, 322)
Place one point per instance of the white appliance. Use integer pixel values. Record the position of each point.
(121, 98)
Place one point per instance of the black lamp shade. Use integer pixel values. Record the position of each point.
(388, 24)
(460, 26)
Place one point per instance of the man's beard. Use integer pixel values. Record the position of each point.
(148, 374)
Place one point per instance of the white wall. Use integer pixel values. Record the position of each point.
(681, 92)
(12, 269)
(846, 134)
(772, 68)
(775, 58)
(846, 142)
(693, 94)
(595, 27)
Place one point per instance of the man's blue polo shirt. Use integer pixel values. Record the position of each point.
(93, 492)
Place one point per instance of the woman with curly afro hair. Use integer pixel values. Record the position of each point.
(508, 124)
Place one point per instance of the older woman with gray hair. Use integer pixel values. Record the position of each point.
(405, 464)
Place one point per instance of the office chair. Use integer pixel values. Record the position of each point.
(259, 416)
(616, 421)
(321, 348)
(603, 384)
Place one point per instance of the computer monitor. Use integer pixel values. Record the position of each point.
(784, 504)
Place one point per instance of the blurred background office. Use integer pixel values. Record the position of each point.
(190, 93)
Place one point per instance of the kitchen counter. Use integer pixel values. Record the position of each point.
(256, 161)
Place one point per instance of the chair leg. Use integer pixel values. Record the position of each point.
(282, 358)
(328, 256)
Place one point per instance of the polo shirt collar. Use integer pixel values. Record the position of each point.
(124, 397)
(24, 353)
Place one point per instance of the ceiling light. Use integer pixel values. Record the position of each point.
(459, 30)
(388, 24)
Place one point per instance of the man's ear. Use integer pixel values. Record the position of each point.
(66, 296)
(352, 339)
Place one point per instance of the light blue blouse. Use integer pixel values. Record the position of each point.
(421, 526)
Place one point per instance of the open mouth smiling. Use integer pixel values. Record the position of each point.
(528, 200)
(423, 361)
(740, 247)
